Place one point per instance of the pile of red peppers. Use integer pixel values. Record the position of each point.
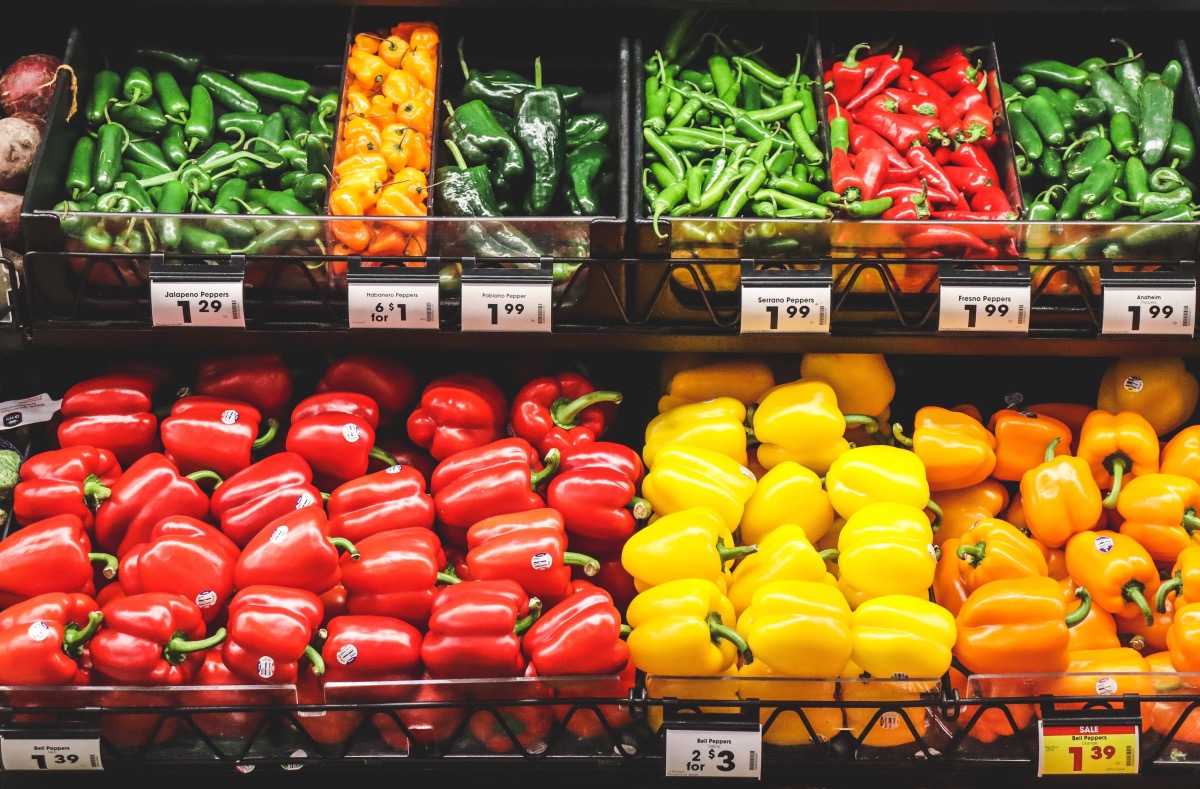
(913, 137)
(238, 532)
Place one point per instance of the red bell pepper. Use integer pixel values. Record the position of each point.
(150, 639)
(261, 379)
(334, 600)
(293, 550)
(500, 489)
(212, 433)
(365, 648)
(67, 607)
(591, 721)
(394, 498)
(51, 555)
(515, 727)
(233, 725)
(270, 630)
(187, 557)
(558, 411)
(65, 481)
(579, 635)
(529, 548)
(475, 630)
(42, 639)
(396, 575)
(888, 71)
(603, 454)
(600, 507)
(406, 453)
(338, 446)
(338, 402)
(612, 578)
(931, 171)
(150, 489)
(849, 75)
(503, 450)
(390, 383)
(427, 726)
(326, 727)
(112, 412)
(249, 500)
(457, 412)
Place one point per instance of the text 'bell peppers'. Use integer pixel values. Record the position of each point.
(876, 474)
(579, 635)
(65, 481)
(293, 550)
(691, 543)
(798, 628)
(150, 638)
(1117, 446)
(395, 575)
(51, 555)
(475, 630)
(558, 411)
(529, 548)
(1114, 569)
(717, 424)
(394, 498)
(183, 556)
(902, 636)
(458, 412)
(787, 494)
(683, 476)
(885, 550)
(111, 412)
(1060, 497)
(270, 630)
(956, 449)
(273, 487)
(150, 489)
(684, 628)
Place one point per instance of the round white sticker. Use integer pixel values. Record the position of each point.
(266, 667)
(39, 631)
(1104, 543)
(347, 654)
(229, 416)
(1133, 384)
(305, 500)
(279, 534)
(542, 561)
(747, 473)
(889, 720)
(206, 599)
(396, 469)
(1106, 686)
(350, 432)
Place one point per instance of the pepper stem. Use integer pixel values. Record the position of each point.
(933, 507)
(94, 491)
(1133, 593)
(1190, 521)
(1118, 471)
(537, 73)
(536, 478)
(457, 154)
(830, 554)
(179, 647)
(1085, 607)
(625, 630)
(898, 432)
(342, 543)
(381, 454)
(110, 563)
(719, 630)
(267, 437)
(1051, 447)
(75, 637)
(198, 476)
(462, 61)
(851, 60)
(314, 657)
(526, 622)
(728, 554)
(1160, 599)
(869, 422)
(972, 553)
(641, 508)
(590, 566)
(565, 412)
(448, 578)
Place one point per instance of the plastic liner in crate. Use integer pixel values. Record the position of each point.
(313, 53)
(1126, 239)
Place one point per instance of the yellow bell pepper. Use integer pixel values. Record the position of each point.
(816, 458)
(903, 636)
(784, 725)
(1160, 388)
(957, 450)
(892, 726)
(683, 477)
(784, 554)
(723, 686)
(798, 628)
(717, 424)
(692, 543)
(871, 474)
(788, 493)
(885, 549)
(684, 628)
(800, 419)
(863, 381)
(742, 379)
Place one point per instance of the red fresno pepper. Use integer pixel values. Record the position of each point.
(475, 630)
(968, 180)
(362, 648)
(255, 496)
(600, 507)
(390, 383)
(971, 155)
(338, 402)
(871, 166)
(917, 82)
(396, 575)
(944, 58)
(394, 498)
(931, 172)
(338, 446)
(215, 434)
(529, 548)
(958, 75)
(846, 182)
(470, 460)
(888, 71)
(428, 726)
(909, 206)
(65, 481)
(457, 412)
(553, 412)
(849, 75)
(261, 379)
(903, 131)
(270, 630)
(51, 555)
(187, 557)
(293, 550)
(992, 199)
(42, 639)
(579, 635)
(151, 489)
(504, 488)
(862, 138)
(112, 412)
(149, 639)
(595, 722)
(947, 240)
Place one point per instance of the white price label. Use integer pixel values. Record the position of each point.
(1144, 311)
(393, 305)
(714, 754)
(17, 753)
(983, 308)
(785, 310)
(208, 304)
(509, 306)
(27, 411)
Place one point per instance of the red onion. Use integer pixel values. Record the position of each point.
(28, 84)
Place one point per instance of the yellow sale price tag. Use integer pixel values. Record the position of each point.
(1087, 750)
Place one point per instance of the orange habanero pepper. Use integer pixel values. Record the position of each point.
(957, 450)
(1116, 446)
(421, 61)
(1021, 441)
(366, 43)
(369, 70)
(993, 550)
(400, 86)
(392, 49)
(1060, 497)
(425, 36)
(1115, 569)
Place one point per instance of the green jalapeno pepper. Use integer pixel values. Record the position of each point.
(1156, 202)
(275, 87)
(1114, 95)
(1057, 73)
(137, 86)
(1158, 115)
(250, 123)
(1072, 205)
(1166, 179)
(227, 92)
(197, 240)
(111, 140)
(1182, 146)
(1123, 134)
(1099, 182)
(1107, 209)
(188, 64)
(1096, 150)
(171, 202)
(1089, 110)
(175, 105)
(1045, 118)
(1137, 180)
(139, 118)
(199, 126)
(79, 168)
(1026, 83)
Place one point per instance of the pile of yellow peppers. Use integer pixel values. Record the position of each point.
(797, 534)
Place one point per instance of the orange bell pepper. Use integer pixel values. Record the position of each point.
(1116, 446)
(1060, 497)
(957, 450)
(1135, 632)
(1162, 715)
(1185, 578)
(1183, 639)
(1114, 569)
(1014, 513)
(1102, 672)
(1097, 630)
(1181, 455)
(962, 507)
(1160, 513)
(988, 723)
(1070, 414)
(993, 550)
(1016, 624)
(893, 726)
(949, 586)
(1056, 560)
(1021, 441)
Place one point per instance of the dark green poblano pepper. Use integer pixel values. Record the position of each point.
(584, 166)
(483, 141)
(463, 190)
(541, 115)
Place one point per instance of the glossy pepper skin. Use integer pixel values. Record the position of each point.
(387, 381)
(683, 476)
(270, 630)
(691, 543)
(540, 115)
(65, 481)
(1160, 514)
(337, 402)
(396, 575)
(475, 630)
(43, 638)
(529, 548)
(684, 628)
(949, 589)
(788, 494)
(801, 421)
(745, 380)
(394, 498)
(112, 412)
(579, 635)
(294, 550)
(994, 549)
(962, 507)
(150, 639)
(261, 379)
(268, 489)
(1114, 569)
(717, 424)
(798, 628)
(1097, 629)
(1159, 388)
(338, 446)
(208, 433)
(187, 557)
(1116, 446)
(509, 486)
(899, 635)
(150, 489)
(1060, 497)
(458, 412)
(1096, 672)
(885, 549)
(479, 458)
(1021, 441)
(876, 474)
(558, 411)
(1183, 638)
(1184, 579)
(599, 506)
(371, 649)
(863, 382)
(51, 555)
(1181, 455)
(784, 554)
(955, 448)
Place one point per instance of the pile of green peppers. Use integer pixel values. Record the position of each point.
(173, 136)
(522, 148)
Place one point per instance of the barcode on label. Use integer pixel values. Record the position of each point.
(95, 760)
(234, 308)
(1128, 755)
(1187, 316)
(541, 314)
(429, 312)
(821, 316)
(1020, 314)
(753, 760)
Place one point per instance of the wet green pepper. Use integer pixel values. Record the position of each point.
(583, 166)
(1107, 209)
(227, 92)
(175, 105)
(111, 140)
(79, 168)
(1156, 202)
(251, 123)
(139, 118)
(171, 201)
(580, 129)
(540, 116)
(1096, 150)
(106, 83)
(1099, 182)
(1137, 180)
(1045, 118)
(1072, 205)
(1114, 95)
(199, 126)
(1056, 73)
(174, 145)
(1182, 147)
(1123, 134)
(1158, 115)
(1089, 110)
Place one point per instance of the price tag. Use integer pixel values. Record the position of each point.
(379, 303)
(1087, 749)
(714, 753)
(190, 295)
(786, 302)
(27, 411)
(1142, 310)
(507, 300)
(983, 301)
(17, 753)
